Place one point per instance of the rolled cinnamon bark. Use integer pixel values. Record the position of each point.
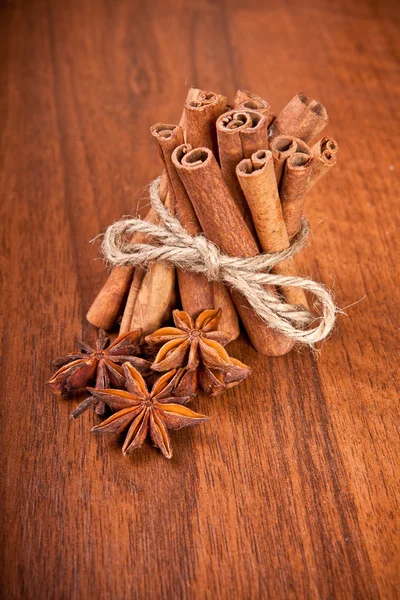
(282, 147)
(257, 178)
(196, 291)
(138, 273)
(249, 100)
(154, 301)
(222, 223)
(246, 100)
(154, 298)
(293, 190)
(325, 158)
(131, 300)
(201, 112)
(191, 95)
(240, 133)
(302, 117)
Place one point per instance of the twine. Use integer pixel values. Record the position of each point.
(248, 276)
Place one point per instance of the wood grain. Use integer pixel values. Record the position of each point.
(291, 491)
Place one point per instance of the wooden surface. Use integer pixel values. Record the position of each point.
(290, 491)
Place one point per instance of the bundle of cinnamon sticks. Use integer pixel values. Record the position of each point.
(239, 175)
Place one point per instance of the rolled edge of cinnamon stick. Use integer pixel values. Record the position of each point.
(325, 157)
(257, 179)
(248, 100)
(284, 146)
(191, 95)
(293, 190)
(223, 224)
(200, 115)
(249, 126)
(302, 117)
(251, 101)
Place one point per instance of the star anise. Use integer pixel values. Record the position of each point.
(146, 412)
(100, 365)
(198, 347)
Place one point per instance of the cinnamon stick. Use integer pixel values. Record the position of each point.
(282, 147)
(257, 179)
(293, 189)
(131, 300)
(154, 297)
(138, 273)
(154, 301)
(302, 117)
(200, 114)
(325, 158)
(223, 223)
(196, 291)
(107, 304)
(250, 101)
(240, 133)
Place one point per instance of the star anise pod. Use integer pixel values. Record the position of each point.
(145, 412)
(100, 365)
(198, 347)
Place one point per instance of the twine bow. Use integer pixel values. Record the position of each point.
(248, 276)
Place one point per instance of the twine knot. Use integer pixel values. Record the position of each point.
(210, 255)
(176, 247)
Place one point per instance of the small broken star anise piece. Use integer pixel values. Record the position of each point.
(198, 347)
(212, 381)
(100, 365)
(145, 412)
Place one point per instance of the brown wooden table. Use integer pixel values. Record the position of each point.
(290, 491)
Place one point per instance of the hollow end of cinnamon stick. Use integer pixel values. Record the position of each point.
(298, 160)
(248, 100)
(325, 157)
(302, 117)
(240, 119)
(163, 130)
(327, 144)
(201, 111)
(315, 106)
(328, 158)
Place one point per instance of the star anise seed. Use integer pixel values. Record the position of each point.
(197, 347)
(100, 365)
(146, 412)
